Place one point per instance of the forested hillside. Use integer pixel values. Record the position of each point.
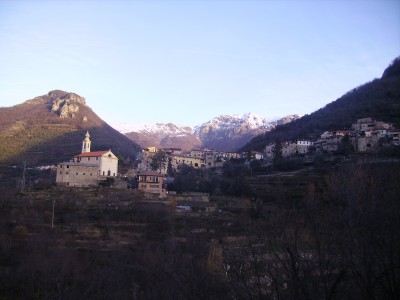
(378, 99)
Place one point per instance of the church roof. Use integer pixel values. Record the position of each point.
(92, 154)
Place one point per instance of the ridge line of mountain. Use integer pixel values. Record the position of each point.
(224, 132)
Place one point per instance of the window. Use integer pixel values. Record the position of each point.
(60, 166)
(97, 158)
(76, 173)
(67, 166)
(90, 174)
(113, 174)
(88, 158)
(60, 172)
(66, 173)
(84, 173)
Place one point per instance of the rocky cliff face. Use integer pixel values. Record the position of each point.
(67, 105)
(64, 104)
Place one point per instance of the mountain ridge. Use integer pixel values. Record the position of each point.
(50, 128)
(378, 99)
(223, 133)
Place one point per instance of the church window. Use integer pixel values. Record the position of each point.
(109, 155)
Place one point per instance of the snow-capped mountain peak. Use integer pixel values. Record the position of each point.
(164, 128)
(225, 132)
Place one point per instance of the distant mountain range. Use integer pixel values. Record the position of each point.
(222, 133)
(50, 128)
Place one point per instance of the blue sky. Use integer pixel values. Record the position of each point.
(188, 61)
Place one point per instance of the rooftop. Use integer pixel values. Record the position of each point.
(92, 154)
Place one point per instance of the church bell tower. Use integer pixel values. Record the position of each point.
(86, 143)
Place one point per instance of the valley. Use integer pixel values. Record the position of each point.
(301, 229)
(315, 224)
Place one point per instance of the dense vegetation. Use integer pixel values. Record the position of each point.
(32, 132)
(378, 99)
(322, 234)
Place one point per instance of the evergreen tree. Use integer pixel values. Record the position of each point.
(159, 161)
(345, 147)
(277, 151)
(170, 170)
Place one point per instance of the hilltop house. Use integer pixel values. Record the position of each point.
(87, 168)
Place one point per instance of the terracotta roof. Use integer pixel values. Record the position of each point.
(92, 154)
(150, 173)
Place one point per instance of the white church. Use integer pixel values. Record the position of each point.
(87, 168)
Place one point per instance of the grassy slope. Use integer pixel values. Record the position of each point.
(32, 132)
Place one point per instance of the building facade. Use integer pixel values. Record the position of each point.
(151, 182)
(87, 168)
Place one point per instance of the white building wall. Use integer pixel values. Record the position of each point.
(108, 165)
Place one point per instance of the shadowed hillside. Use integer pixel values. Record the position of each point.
(378, 99)
(50, 128)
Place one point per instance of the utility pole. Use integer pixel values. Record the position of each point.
(23, 178)
(52, 218)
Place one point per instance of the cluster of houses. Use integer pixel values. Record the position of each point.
(197, 158)
(91, 168)
(365, 136)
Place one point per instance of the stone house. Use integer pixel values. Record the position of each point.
(367, 143)
(289, 149)
(196, 162)
(145, 158)
(303, 146)
(87, 168)
(367, 124)
(268, 152)
(330, 140)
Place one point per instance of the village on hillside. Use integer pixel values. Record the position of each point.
(366, 136)
(154, 165)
